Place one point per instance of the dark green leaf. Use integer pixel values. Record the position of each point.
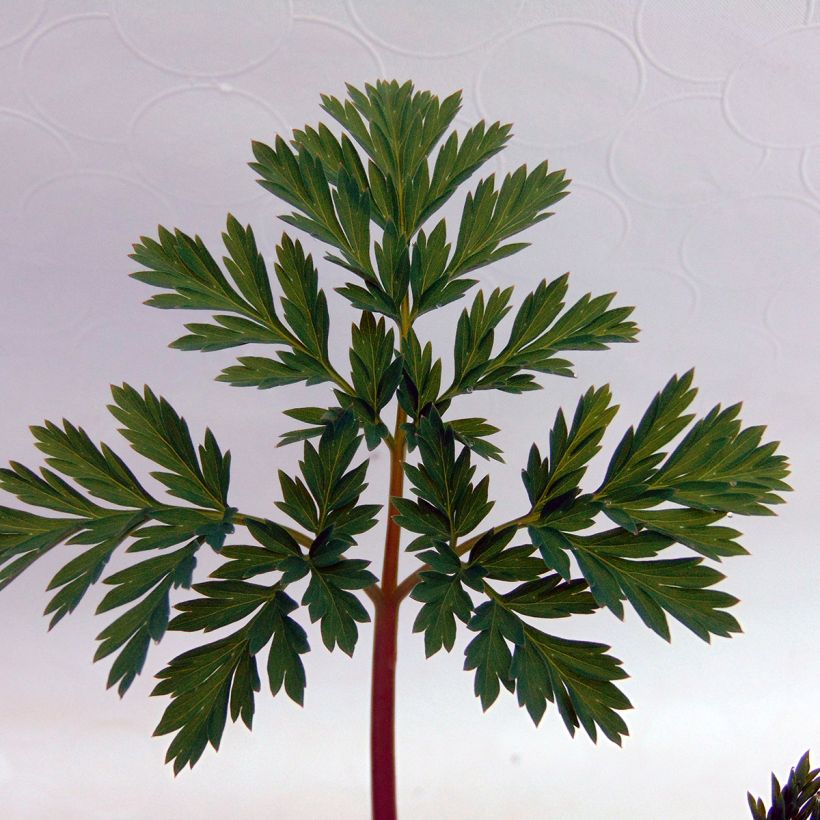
(575, 675)
(490, 215)
(102, 472)
(25, 537)
(156, 431)
(77, 576)
(570, 450)
(539, 333)
(611, 562)
(421, 381)
(375, 372)
(717, 466)
(444, 599)
(550, 597)
(220, 603)
(338, 610)
(450, 504)
(289, 642)
(488, 653)
(146, 620)
(329, 494)
(205, 681)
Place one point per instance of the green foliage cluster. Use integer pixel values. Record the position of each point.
(799, 799)
(371, 190)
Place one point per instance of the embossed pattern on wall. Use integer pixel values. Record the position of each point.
(692, 134)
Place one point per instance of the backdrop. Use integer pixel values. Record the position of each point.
(692, 134)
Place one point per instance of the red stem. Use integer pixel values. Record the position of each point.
(382, 714)
(383, 692)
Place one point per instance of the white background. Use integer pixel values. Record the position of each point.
(692, 133)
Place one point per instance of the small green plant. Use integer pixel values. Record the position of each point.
(370, 191)
(799, 799)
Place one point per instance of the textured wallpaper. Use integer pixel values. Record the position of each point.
(691, 131)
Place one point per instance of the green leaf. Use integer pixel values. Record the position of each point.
(370, 297)
(337, 216)
(539, 333)
(720, 466)
(553, 546)
(458, 159)
(694, 529)
(611, 562)
(246, 561)
(316, 417)
(473, 433)
(338, 610)
(489, 654)
(185, 266)
(146, 620)
(78, 575)
(491, 216)
(49, 491)
(397, 128)
(221, 603)
(638, 454)
(421, 378)
(264, 373)
(393, 265)
(285, 667)
(421, 517)
(490, 545)
(156, 431)
(229, 331)
(25, 537)
(192, 280)
(335, 154)
(226, 602)
(329, 494)
(100, 471)
(304, 305)
(717, 466)
(575, 675)
(550, 597)
(204, 682)
(178, 524)
(449, 505)
(798, 798)
(444, 599)
(570, 451)
(375, 372)
(430, 282)
(514, 564)
(274, 538)
(474, 339)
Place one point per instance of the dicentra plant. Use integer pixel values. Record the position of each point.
(370, 190)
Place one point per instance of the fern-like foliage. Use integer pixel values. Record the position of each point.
(369, 186)
(797, 799)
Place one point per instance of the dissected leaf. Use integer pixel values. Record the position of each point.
(156, 431)
(489, 654)
(575, 675)
(449, 504)
(444, 599)
(570, 449)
